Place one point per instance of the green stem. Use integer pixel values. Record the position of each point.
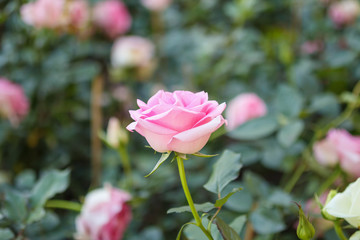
(295, 177)
(188, 197)
(339, 231)
(63, 205)
(329, 181)
(126, 162)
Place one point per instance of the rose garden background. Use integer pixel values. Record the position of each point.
(70, 71)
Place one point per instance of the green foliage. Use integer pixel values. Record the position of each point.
(226, 169)
(227, 232)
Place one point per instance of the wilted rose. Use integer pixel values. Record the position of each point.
(13, 102)
(244, 107)
(156, 5)
(346, 204)
(112, 17)
(179, 121)
(344, 12)
(104, 216)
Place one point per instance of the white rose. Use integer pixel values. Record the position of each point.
(346, 204)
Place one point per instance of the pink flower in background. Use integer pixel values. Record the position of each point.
(112, 17)
(132, 51)
(344, 12)
(105, 215)
(179, 121)
(44, 13)
(156, 5)
(13, 102)
(243, 108)
(311, 47)
(79, 14)
(340, 146)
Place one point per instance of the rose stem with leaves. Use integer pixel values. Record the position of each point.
(197, 218)
(124, 156)
(339, 231)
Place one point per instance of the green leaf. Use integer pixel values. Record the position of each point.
(203, 207)
(225, 170)
(267, 221)
(220, 202)
(182, 228)
(15, 205)
(227, 232)
(51, 183)
(290, 133)
(255, 129)
(199, 154)
(288, 101)
(6, 234)
(162, 159)
(238, 223)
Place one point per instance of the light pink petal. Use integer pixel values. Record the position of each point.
(193, 140)
(178, 119)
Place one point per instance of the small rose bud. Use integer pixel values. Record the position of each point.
(305, 230)
(116, 135)
(324, 213)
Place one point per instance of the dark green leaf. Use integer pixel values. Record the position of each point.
(255, 129)
(227, 232)
(288, 101)
(267, 221)
(15, 205)
(290, 133)
(6, 234)
(225, 170)
(220, 202)
(162, 159)
(203, 207)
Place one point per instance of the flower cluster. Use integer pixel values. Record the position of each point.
(339, 147)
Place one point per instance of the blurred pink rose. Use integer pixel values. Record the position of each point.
(112, 17)
(181, 121)
(340, 146)
(311, 47)
(244, 107)
(132, 51)
(44, 14)
(156, 5)
(344, 12)
(105, 215)
(13, 102)
(79, 14)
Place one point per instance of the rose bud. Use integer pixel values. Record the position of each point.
(112, 17)
(243, 108)
(13, 102)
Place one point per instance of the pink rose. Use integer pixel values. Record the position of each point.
(132, 51)
(340, 146)
(344, 12)
(156, 5)
(79, 15)
(44, 14)
(181, 121)
(244, 107)
(112, 17)
(311, 47)
(13, 102)
(104, 216)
